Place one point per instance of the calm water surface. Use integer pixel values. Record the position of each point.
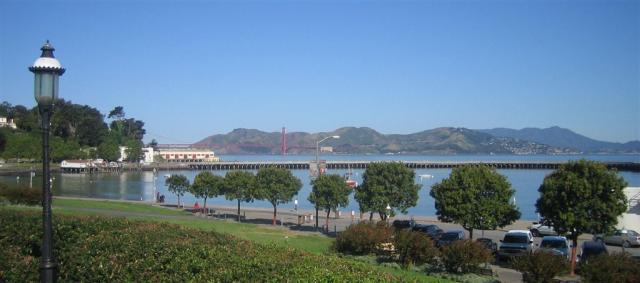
(142, 185)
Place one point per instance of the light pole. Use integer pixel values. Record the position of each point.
(46, 69)
(318, 151)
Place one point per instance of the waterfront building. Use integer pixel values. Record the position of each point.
(186, 153)
(631, 219)
(4, 122)
(148, 154)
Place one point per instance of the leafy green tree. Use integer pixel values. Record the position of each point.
(134, 150)
(117, 113)
(207, 185)
(387, 184)
(582, 197)
(476, 197)
(277, 186)
(109, 149)
(239, 185)
(329, 192)
(178, 185)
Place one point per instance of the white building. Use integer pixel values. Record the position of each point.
(148, 153)
(631, 219)
(4, 122)
(187, 154)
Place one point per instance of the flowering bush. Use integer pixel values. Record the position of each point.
(464, 256)
(363, 238)
(414, 248)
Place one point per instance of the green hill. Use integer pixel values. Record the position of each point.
(363, 140)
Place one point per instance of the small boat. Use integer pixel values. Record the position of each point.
(425, 176)
(351, 183)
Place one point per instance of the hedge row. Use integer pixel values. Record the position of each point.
(101, 249)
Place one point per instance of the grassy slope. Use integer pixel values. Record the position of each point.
(257, 233)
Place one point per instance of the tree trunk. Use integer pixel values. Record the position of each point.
(327, 221)
(238, 210)
(574, 241)
(371, 216)
(178, 201)
(470, 233)
(204, 207)
(317, 217)
(275, 210)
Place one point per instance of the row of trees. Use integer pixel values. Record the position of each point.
(78, 131)
(274, 185)
(580, 197)
(387, 187)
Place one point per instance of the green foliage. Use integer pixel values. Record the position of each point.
(21, 145)
(476, 197)
(616, 267)
(329, 192)
(134, 150)
(540, 266)
(97, 249)
(178, 185)
(387, 183)
(78, 122)
(241, 186)
(582, 197)
(207, 185)
(363, 238)
(109, 149)
(277, 186)
(464, 256)
(414, 248)
(21, 195)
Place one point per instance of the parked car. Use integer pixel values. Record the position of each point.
(515, 243)
(489, 244)
(433, 231)
(539, 229)
(590, 249)
(449, 238)
(625, 238)
(556, 245)
(403, 224)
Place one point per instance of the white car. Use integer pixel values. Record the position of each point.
(538, 229)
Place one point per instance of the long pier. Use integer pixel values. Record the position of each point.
(363, 164)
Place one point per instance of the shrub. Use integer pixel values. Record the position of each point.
(363, 238)
(464, 256)
(617, 267)
(101, 249)
(414, 248)
(21, 195)
(540, 266)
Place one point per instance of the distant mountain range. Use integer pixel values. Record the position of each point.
(447, 140)
(565, 138)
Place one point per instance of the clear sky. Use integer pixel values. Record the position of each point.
(190, 69)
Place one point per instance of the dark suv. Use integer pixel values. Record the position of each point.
(449, 238)
(403, 224)
(433, 231)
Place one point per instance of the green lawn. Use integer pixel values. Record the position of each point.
(310, 242)
(258, 233)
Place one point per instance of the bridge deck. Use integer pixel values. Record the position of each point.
(362, 164)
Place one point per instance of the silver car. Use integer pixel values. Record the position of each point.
(538, 229)
(625, 238)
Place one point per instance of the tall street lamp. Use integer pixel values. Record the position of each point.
(318, 151)
(46, 69)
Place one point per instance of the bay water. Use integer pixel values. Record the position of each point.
(142, 185)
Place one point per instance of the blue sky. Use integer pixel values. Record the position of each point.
(190, 69)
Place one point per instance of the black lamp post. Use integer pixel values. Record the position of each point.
(46, 69)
